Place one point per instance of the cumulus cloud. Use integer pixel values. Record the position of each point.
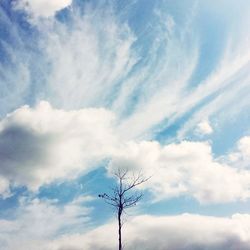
(42, 8)
(185, 231)
(204, 128)
(186, 168)
(181, 232)
(38, 221)
(244, 145)
(67, 228)
(240, 157)
(41, 144)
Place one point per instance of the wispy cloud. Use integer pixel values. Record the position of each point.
(15, 74)
(96, 59)
(88, 59)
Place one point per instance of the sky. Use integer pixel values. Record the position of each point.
(87, 86)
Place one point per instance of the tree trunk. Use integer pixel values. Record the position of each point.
(120, 229)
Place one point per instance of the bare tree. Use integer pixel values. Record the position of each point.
(123, 196)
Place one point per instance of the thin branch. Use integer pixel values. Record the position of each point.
(135, 183)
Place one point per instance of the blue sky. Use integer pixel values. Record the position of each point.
(88, 86)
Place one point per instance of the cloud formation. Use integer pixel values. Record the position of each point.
(163, 73)
(241, 155)
(4, 188)
(39, 145)
(68, 227)
(185, 168)
(204, 128)
(42, 144)
(101, 60)
(42, 8)
(38, 221)
(90, 58)
(183, 232)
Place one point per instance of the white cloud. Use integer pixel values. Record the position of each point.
(162, 79)
(89, 59)
(225, 88)
(204, 128)
(41, 225)
(90, 56)
(4, 187)
(183, 232)
(39, 145)
(98, 62)
(228, 84)
(186, 168)
(37, 221)
(42, 8)
(15, 72)
(226, 107)
(244, 146)
(240, 157)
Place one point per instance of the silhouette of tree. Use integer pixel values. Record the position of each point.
(123, 196)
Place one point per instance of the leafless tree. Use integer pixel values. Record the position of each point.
(123, 195)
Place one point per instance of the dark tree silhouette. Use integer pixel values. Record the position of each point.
(123, 196)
